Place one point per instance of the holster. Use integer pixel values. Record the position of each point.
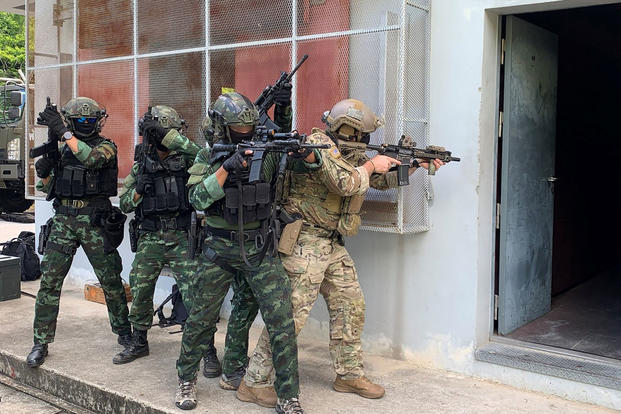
(195, 236)
(133, 235)
(44, 234)
(289, 237)
(112, 221)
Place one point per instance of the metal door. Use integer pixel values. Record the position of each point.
(528, 144)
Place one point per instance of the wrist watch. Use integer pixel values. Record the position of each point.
(66, 136)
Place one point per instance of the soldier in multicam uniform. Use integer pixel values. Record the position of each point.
(329, 200)
(81, 183)
(215, 185)
(156, 190)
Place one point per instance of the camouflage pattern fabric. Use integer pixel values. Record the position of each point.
(244, 312)
(71, 232)
(320, 264)
(156, 249)
(270, 287)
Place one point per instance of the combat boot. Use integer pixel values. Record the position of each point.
(139, 347)
(125, 339)
(185, 398)
(37, 355)
(231, 381)
(264, 396)
(361, 386)
(291, 406)
(211, 364)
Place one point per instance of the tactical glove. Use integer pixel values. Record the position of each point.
(144, 183)
(155, 130)
(234, 162)
(52, 119)
(282, 96)
(44, 167)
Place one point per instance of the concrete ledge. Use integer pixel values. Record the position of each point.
(574, 366)
(73, 390)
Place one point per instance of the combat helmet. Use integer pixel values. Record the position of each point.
(168, 117)
(206, 130)
(231, 109)
(84, 117)
(351, 120)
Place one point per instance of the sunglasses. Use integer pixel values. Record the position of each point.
(84, 120)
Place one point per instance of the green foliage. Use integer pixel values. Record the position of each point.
(12, 44)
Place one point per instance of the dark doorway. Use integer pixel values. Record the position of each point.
(586, 265)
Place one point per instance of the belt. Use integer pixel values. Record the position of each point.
(232, 235)
(319, 231)
(165, 223)
(80, 207)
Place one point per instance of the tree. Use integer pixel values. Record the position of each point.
(12, 44)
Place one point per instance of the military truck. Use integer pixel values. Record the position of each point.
(12, 136)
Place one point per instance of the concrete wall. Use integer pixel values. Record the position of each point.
(429, 295)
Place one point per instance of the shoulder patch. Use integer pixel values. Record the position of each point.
(334, 152)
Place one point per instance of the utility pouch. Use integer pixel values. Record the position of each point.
(113, 227)
(77, 182)
(231, 204)
(133, 235)
(263, 200)
(289, 237)
(249, 200)
(195, 236)
(160, 188)
(44, 234)
(92, 183)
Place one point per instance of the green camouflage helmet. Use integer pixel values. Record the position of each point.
(84, 116)
(168, 117)
(232, 109)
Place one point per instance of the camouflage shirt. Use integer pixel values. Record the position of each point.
(91, 157)
(176, 143)
(332, 196)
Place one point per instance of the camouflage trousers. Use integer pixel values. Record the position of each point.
(156, 249)
(69, 232)
(320, 264)
(270, 288)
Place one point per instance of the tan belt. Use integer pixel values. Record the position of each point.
(318, 230)
(74, 203)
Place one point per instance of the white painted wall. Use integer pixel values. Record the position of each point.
(429, 295)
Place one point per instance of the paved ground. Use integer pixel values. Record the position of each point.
(84, 348)
(17, 402)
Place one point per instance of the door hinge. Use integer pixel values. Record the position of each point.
(500, 121)
(502, 52)
(495, 307)
(497, 216)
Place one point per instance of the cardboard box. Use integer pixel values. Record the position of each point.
(10, 277)
(94, 292)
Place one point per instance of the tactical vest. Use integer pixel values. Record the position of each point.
(307, 194)
(255, 200)
(169, 193)
(75, 181)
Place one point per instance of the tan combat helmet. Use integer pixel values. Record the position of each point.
(351, 120)
(84, 116)
(168, 117)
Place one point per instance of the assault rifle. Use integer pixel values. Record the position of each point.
(265, 141)
(406, 151)
(265, 101)
(145, 153)
(48, 149)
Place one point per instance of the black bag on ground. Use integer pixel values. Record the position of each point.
(23, 247)
(179, 313)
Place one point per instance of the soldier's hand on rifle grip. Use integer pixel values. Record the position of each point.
(237, 161)
(381, 164)
(44, 167)
(143, 183)
(436, 163)
(282, 96)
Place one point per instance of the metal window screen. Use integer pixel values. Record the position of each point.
(128, 55)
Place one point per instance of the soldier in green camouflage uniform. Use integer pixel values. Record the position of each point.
(81, 184)
(160, 230)
(313, 252)
(234, 118)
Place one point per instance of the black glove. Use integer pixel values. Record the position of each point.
(235, 162)
(282, 96)
(44, 167)
(144, 183)
(155, 130)
(52, 119)
(301, 154)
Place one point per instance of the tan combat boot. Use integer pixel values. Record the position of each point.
(361, 386)
(265, 396)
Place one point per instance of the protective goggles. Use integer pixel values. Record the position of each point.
(85, 120)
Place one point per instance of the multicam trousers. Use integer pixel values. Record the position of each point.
(156, 249)
(271, 289)
(319, 264)
(67, 234)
